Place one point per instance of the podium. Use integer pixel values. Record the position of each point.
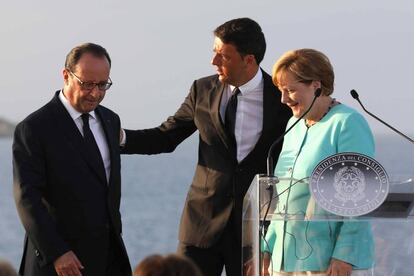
(384, 245)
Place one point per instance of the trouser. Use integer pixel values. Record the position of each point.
(226, 252)
(117, 264)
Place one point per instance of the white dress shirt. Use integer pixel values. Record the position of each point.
(249, 115)
(96, 128)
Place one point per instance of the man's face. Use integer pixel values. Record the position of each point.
(232, 68)
(88, 69)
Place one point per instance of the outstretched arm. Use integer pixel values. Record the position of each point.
(168, 135)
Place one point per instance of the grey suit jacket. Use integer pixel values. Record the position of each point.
(220, 182)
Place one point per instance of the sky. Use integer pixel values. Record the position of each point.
(159, 48)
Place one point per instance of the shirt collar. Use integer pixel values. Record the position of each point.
(72, 111)
(251, 84)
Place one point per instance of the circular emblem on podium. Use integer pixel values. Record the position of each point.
(349, 184)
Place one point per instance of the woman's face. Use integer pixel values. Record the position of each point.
(297, 95)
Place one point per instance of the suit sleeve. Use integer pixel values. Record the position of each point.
(354, 243)
(29, 182)
(169, 134)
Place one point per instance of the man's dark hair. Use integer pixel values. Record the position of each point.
(245, 34)
(76, 53)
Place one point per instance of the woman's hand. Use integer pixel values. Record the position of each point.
(266, 263)
(249, 269)
(339, 268)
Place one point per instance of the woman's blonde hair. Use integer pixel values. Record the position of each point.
(306, 65)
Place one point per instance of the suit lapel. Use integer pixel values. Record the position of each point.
(68, 128)
(216, 94)
(270, 103)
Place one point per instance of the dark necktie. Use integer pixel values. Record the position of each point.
(231, 109)
(91, 144)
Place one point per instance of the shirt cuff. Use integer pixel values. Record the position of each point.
(123, 139)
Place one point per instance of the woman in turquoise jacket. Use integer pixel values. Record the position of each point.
(300, 247)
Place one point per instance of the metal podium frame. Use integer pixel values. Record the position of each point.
(392, 224)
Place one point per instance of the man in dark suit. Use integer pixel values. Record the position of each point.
(238, 114)
(67, 182)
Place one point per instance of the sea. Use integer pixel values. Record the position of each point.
(154, 188)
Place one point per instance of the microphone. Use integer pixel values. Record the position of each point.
(270, 172)
(277, 141)
(355, 95)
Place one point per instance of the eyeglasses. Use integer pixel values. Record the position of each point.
(103, 86)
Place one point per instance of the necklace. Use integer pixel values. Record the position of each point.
(333, 103)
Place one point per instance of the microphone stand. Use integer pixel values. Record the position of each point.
(355, 95)
(271, 178)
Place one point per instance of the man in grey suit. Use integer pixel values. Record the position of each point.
(67, 181)
(238, 115)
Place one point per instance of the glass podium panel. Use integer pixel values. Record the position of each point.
(298, 235)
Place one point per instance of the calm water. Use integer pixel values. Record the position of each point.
(154, 189)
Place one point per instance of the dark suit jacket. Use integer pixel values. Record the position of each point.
(63, 199)
(219, 183)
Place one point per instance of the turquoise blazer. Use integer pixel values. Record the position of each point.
(298, 245)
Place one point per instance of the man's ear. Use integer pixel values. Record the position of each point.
(65, 74)
(250, 59)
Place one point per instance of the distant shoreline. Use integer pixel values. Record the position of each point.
(6, 128)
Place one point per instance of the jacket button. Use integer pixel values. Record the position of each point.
(37, 253)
